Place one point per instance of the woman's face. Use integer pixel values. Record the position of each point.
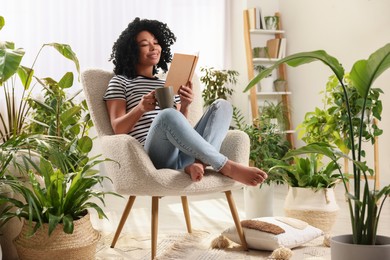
(149, 49)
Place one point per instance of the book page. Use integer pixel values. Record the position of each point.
(181, 70)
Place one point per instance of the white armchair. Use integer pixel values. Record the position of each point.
(134, 174)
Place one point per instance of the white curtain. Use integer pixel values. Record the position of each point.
(90, 27)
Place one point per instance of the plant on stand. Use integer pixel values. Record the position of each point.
(365, 203)
(217, 84)
(275, 114)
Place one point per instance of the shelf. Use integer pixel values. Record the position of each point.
(272, 93)
(261, 31)
(264, 60)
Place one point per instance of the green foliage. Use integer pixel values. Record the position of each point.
(271, 111)
(259, 68)
(365, 205)
(59, 198)
(267, 144)
(12, 122)
(216, 84)
(308, 172)
(331, 123)
(59, 115)
(57, 133)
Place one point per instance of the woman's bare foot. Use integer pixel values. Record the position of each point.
(195, 170)
(250, 176)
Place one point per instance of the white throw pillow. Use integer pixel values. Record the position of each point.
(296, 233)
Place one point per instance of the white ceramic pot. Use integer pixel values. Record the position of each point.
(267, 84)
(258, 201)
(342, 248)
(318, 208)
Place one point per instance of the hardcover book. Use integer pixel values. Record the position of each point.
(181, 70)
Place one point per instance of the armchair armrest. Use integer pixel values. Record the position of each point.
(236, 146)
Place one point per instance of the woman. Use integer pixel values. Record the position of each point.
(167, 136)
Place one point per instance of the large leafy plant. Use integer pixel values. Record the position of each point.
(62, 197)
(365, 203)
(58, 115)
(308, 172)
(16, 78)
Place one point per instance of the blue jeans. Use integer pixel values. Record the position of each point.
(173, 143)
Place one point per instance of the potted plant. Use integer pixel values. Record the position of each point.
(267, 144)
(266, 84)
(216, 84)
(311, 195)
(260, 52)
(365, 203)
(58, 125)
(274, 113)
(55, 213)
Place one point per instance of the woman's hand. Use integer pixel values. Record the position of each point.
(186, 95)
(148, 102)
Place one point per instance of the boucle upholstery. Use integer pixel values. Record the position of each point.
(132, 171)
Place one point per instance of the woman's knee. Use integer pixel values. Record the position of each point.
(169, 115)
(223, 105)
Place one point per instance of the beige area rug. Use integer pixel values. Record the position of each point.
(195, 246)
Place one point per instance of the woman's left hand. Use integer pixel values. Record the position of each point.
(186, 94)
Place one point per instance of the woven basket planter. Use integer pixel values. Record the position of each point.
(317, 208)
(59, 245)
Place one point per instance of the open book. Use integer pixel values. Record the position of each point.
(181, 70)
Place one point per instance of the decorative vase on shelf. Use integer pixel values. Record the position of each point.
(271, 22)
(280, 85)
(318, 208)
(267, 84)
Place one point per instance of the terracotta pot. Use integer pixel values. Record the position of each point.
(342, 248)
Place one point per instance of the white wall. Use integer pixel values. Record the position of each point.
(349, 30)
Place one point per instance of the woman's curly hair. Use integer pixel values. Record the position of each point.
(125, 51)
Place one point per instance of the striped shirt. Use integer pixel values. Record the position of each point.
(132, 90)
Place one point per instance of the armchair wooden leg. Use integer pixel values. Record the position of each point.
(236, 219)
(186, 211)
(122, 222)
(154, 225)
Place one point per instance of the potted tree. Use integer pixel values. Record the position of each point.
(217, 84)
(365, 203)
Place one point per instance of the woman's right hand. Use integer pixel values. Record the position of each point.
(148, 102)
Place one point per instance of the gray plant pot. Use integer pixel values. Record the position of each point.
(342, 248)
